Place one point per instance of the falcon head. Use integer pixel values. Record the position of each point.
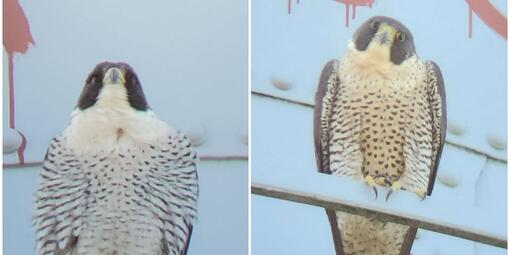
(384, 38)
(113, 85)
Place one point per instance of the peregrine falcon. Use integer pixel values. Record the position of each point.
(380, 117)
(117, 180)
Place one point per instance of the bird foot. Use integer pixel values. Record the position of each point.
(394, 187)
(370, 181)
(422, 195)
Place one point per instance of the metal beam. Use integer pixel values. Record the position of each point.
(390, 214)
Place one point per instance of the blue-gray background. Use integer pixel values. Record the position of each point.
(292, 50)
(191, 57)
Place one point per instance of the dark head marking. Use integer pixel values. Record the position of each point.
(402, 45)
(94, 84)
(136, 97)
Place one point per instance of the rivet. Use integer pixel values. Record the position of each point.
(196, 133)
(12, 141)
(281, 83)
(448, 178)
(437, 252)
(456, 128)
(497, 142)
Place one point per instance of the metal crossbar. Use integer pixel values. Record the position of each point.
(452, 228)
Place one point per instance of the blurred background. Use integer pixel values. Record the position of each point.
(292, 40)
(192, 60)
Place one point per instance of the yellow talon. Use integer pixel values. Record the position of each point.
(381, 180)
(371, 182)
(422, 194)
(395, 186)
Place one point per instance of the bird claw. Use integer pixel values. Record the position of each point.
(423, 196)
(388, 195)
(369, 180)
(394, 187)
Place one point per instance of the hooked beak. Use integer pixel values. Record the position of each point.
(114, 75)
(386, 34)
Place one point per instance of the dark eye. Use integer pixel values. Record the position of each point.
(94, 79)
(401, 36)
(374, 24)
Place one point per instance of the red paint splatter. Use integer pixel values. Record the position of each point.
(289, 5)
(11, 91)
(16, 38)
(348, 3)
(354, 4)
(470, 22)
(489, 15)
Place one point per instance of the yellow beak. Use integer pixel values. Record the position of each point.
(114, 75)
(386, 33)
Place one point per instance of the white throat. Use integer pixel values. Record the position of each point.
(111, 123)
(113, 97)
(376, 60)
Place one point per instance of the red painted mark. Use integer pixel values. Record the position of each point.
(11, 92)
(354, 4)
(470, 25)
(16, 38)
(489, 15)
(346, 15)
(289, 5)
(348, 3)
(21, 150)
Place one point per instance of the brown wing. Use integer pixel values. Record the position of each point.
(407, 244)
(438, 112)
(437, 101)
(321, 115)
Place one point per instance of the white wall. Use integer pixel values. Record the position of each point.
(293, 49)
(192, 59)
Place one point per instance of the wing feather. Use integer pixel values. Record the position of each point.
(59, 201)
(407, 244)
(322, 114)
(321, 118)
(180, 195)
(437, 99)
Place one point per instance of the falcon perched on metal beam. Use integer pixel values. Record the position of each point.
(118, 180)
(380, 117)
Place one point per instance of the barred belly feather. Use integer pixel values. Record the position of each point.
(379, 118)
(379, 127)
(128, 197)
